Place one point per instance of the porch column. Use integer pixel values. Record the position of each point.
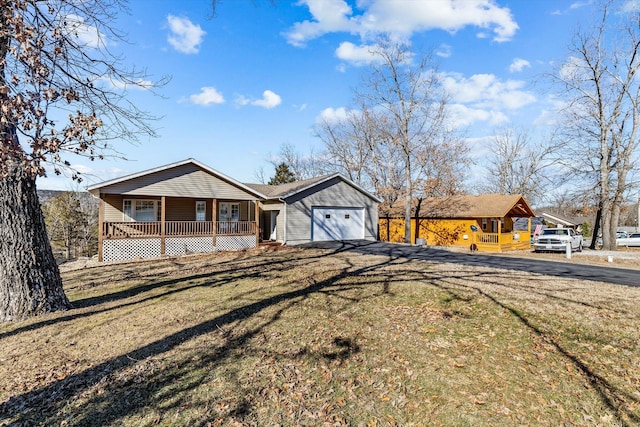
(529, 230)
(499, 235)
(214, 220)
(257, 212)
(163, 207)
(100, 226)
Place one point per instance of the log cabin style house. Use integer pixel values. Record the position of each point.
(450, 221)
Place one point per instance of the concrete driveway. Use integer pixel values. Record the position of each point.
(617, 276)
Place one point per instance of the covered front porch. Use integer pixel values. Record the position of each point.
(501, 242)
(147, 227)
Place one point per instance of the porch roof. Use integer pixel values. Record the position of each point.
(469, 206)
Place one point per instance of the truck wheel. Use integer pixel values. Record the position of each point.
(580, 247)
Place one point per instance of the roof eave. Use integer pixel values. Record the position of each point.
(95, 189)
(328, 178)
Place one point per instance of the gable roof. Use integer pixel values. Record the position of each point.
(284, 191)
(95, 188)
(469, 206)
(558, 219)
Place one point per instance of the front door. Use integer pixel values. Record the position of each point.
(273, 220)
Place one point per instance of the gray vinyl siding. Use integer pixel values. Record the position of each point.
(333, 193)
(182, 181)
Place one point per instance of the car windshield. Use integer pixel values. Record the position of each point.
(554, 232)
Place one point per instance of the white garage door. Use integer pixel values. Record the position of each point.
(337, 224)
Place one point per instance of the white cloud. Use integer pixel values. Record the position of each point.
(269, 100)
(333, 115)
(357, 55)
(87, 35)
(139, 84)
(444, 51)
(402, 18)
(208, 95)
(463, 116)
(518, 65)
(631, 6)
(242, 100)
(573, 69)
(329, 16)
(486, 91)
(185, 36)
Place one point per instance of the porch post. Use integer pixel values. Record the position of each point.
(214, 220)
(499, 235)
(529, 230)
(257, 212)
(100, 226)
(163, 207)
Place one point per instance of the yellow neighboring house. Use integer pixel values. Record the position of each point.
(450, 221)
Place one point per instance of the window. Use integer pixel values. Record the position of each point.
(235, 211)
(126, 210)
(141, 210)
(229, 212)
(327, 216)
(201, 210)
(346, 216)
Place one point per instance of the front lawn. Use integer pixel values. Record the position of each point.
(308, 337)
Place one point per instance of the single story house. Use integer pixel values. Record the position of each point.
(554, 219)
(188, 207)
(485, 221)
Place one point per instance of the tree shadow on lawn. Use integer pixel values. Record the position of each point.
(233, 268)
(167, 388)
(611, 396)
(48, 402)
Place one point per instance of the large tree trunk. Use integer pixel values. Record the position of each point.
(30, 281)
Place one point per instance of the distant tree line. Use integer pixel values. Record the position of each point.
(399, 139)
(71, 220)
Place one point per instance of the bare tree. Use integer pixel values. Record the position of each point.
(518, 166)
(359, 147)
(601, 85)
(302, 166)
(66, 222)
(62, 91)
(404, 113)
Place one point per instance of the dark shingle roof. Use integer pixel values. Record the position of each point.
(276, 191)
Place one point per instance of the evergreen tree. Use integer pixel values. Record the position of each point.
(283, 175)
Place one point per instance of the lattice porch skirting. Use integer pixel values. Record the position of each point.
(125, 249)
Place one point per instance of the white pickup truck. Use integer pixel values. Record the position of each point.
(555, 239)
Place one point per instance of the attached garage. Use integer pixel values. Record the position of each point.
(320, 209)
(334, 223)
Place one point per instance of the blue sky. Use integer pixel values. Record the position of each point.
(260, 75)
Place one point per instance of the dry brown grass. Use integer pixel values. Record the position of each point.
(308, 337)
